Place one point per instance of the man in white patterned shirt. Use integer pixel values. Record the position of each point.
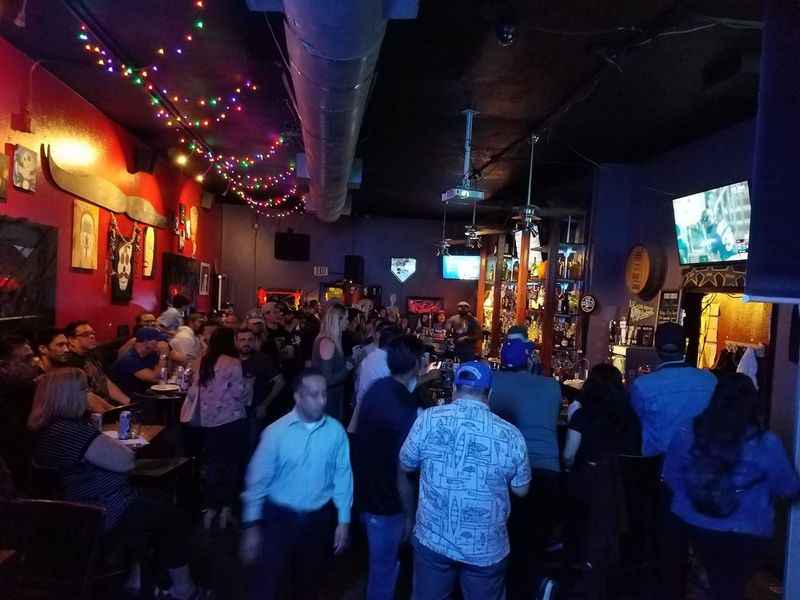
(469, 458)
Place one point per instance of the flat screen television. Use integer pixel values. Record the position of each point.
(713, 226)
(467, 268)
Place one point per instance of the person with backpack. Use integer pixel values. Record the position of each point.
(725, 470)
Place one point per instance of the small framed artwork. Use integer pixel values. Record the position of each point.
(3, 177)
(24, 173)
(85, 235)
(205, 279)
(149, 253)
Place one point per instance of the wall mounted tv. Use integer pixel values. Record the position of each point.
(713, 226)
(467, 268)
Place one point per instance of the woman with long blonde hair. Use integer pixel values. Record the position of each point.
(94, 469)
(328, 356)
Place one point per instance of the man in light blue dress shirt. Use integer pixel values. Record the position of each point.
(298, 495)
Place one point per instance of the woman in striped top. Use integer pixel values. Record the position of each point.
(94, 468)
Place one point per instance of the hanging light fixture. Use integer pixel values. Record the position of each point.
(529, 211)
(443, 246)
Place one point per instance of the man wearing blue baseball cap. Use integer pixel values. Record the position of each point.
(531, 403)
(140, 367)
(469, 459)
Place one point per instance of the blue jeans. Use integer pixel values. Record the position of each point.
(384, 534)
(436, 576)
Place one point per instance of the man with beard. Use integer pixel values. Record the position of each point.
(263, 380)
(17, 386)
(186, 344)
(82, 343)
(276, 338)
(466, 332)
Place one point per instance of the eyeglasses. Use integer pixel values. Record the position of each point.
(86, 334)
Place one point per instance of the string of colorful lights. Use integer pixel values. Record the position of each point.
(172, 108)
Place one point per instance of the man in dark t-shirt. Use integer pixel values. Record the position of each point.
(388, 411)
(262, 378)
(140, 368)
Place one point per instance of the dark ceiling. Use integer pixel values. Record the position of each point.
(612, 80)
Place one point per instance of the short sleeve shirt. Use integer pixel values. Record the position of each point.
(62, 446)
(123, 372)
(258, 370)
(468, 458)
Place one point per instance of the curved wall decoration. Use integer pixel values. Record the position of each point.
(102, 192)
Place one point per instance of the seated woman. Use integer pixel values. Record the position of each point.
(93, 468)
(725, 470)
(605, 425)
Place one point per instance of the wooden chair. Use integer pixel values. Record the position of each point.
(56, 546)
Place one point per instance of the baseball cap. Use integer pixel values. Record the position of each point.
(670, 338)
(151, 334)
(515, 353)
(474, 374)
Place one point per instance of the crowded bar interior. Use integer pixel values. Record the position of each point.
(399, 298)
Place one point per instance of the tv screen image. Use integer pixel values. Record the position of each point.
(713, 226)
(461, 267)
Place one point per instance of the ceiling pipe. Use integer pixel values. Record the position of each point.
(333, 47)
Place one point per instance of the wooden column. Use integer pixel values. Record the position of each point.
(497, 294)
(522, 279)
(550, 296)
(481, 285)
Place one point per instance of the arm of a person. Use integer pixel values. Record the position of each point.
(521, 482)
(637, 399)
(97, 404)
(573, 443)
(125, 348)
(343, 481)
(278, 383)
(116, 394)
(260, 472)
(109, 454)
(411, 450)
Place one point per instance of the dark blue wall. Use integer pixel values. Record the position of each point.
(248, 255)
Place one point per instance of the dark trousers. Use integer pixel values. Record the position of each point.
(296, 549)
(152, 520)
(730, 559)
(532, 522)
(436, 577)
(226, 450)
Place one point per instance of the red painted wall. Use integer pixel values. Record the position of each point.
(57, 114)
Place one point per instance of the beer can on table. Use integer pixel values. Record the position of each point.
(124, 425)
(97, 421)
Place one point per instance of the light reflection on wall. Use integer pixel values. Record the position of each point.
(73, 152)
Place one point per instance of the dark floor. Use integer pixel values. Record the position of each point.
(216, 567)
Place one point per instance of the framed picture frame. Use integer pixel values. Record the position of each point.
(85, 235)
(205, 279)
(26, 162)
(149, 253)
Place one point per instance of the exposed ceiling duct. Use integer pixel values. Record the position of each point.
(333, 48)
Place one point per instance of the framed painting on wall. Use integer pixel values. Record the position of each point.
(205, 279)
(149, 256)
(85, 234)
(3, 177)
(24, 174)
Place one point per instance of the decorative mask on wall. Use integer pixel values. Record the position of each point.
(194, 218)
(122, 252)
(24, 169)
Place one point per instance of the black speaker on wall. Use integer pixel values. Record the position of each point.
(354, 268)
